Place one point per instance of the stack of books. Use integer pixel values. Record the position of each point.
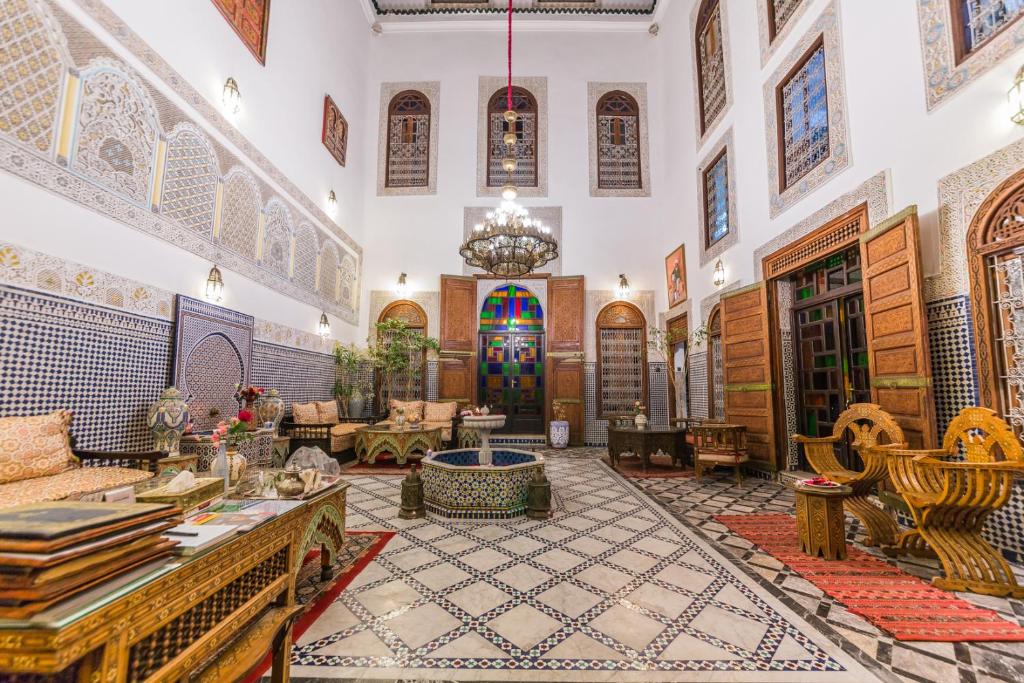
(51, 551)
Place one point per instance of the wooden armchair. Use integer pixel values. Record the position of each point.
(950, 500)
(719, 444)
(869, 426)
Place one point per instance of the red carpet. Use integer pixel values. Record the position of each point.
(364, 546)
(896, 602)
(383, 464)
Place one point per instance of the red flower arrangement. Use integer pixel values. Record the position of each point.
(244, 416)
(247, 394)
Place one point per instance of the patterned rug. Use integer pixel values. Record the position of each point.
(661, 468)
(896, 602)
(383, 464)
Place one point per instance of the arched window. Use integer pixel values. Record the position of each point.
(525, 105)
(621, 359)
(975, 22)
(779, 14)
(710, 64)
(802, 102)
(618, 142)
(716, 388)
(412, 315)
(716, 199)
(408, 152)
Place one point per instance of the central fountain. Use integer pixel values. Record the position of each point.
(480, 483)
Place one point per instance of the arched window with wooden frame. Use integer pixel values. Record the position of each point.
(716, 386)
(621, 359)
(408, 143)
(618, 142)
(412, 315)
(995, 249)
(525, 151)
(976, 22)
(711, 90)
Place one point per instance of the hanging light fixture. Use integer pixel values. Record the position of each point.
(402, 287)
(332, 201)
(324, 328)
(1015, 96)
(231, 97)
(719, 276)
(509, 243)
(623, 289)
(214, 286)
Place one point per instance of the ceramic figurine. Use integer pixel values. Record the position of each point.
(167, 419)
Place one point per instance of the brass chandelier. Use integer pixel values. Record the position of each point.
(509, 243)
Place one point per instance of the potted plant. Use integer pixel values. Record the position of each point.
(351, 389)
(395, 355)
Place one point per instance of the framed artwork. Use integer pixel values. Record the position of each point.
(250, 19)
(335, 131)
(675, 275)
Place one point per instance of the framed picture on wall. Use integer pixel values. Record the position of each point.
(250, 19)
(335, 131)
(675, 275)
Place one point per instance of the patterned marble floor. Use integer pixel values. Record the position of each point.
(611, 588)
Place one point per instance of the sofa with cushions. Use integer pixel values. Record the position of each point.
(38, 464)
(444, 414)
(318, 424)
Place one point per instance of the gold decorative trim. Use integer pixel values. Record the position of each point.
(909, 382)
(749, 387)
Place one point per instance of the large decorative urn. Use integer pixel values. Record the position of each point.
(271, 409)
(167, 419)
(559, 433)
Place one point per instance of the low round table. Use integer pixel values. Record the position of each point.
(373, 440)
(820, 520)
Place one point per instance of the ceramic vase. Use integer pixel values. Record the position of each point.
(355, 405)
(236, 464)
(640, 421)
(219, 467)
(271, 409)
(559, 433)
(167, 419)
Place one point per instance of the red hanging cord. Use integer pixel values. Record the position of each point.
(509, 92)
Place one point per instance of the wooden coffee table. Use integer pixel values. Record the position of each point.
(373, 440)
(645, 442)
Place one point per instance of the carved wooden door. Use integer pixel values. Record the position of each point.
(897, 327)
(565, 351)
(457, 365)
(747, 371)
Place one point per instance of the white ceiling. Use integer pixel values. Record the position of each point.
(440, 13)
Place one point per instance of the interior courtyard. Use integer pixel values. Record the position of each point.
(512, 340)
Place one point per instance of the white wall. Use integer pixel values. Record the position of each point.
(889, 126)
(602, 237)
(315, 47)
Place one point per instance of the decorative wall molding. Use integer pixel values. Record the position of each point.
(961, 193)
(595, 90)
(429, 301)
(875, 192)
(718, 248)
(33, 270)
(826, 26)
(121, 148)
(596, 299)
(432, 90)
(551, 216)
(703, 137)
(768, 46)
(538, 87)
(943, 77)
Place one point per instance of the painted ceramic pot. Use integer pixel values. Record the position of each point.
(167, 419)
(236, 465)
(271, 408)
(559, 433)
(640, 421)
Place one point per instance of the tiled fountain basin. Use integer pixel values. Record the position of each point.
(456, 485)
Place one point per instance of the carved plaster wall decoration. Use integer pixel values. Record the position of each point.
(708, 254)
(768, 46)
(432, 91)
(596, 299)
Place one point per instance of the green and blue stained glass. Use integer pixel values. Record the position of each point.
(511, 309)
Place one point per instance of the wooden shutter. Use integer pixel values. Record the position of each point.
(457, 365)
(747, 370)
(897, 327)
(565, 351)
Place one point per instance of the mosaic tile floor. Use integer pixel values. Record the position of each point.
(611, 588)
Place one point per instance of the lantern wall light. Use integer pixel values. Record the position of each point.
(214, 286)
(231, 97)
(402, 286)
(324, 328)
(332, 202)
(719, 277)
(1015, 96)
(623, 290)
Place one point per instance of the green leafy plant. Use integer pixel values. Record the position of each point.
(397, 355)
(351, 383)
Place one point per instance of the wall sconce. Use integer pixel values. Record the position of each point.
(332, 202)
(719, 277)
(402, 287)
(231, 97)
(1016, 98)
(214, 286)
(324, 328)
(623, 289)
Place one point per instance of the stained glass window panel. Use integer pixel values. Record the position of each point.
(805, 118)
(716, 198)
(511, 309)
(711, 62)
(980, 20)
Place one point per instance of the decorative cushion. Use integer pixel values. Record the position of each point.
(305, 413)
(328, 411)
(346, 428)
(411, 408)
(724, 457)
(35, 446)
(343, 436)
(69, 484)
(439, 412)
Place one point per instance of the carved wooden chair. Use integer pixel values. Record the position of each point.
(869, 426)
(719, 444)
(950, 500)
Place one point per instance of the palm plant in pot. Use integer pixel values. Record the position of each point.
(397, 356)
(352, 388)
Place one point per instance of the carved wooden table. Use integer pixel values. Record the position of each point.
(212, 616)
(373, 440)
(820, 520)
(645, 442)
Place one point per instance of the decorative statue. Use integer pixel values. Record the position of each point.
(538, 496)
(167, 419)
(412, 496)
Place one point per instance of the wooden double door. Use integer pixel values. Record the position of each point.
(512, 379)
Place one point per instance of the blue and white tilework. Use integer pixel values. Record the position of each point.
(611, 585)
(698, 380)
(299, 376)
